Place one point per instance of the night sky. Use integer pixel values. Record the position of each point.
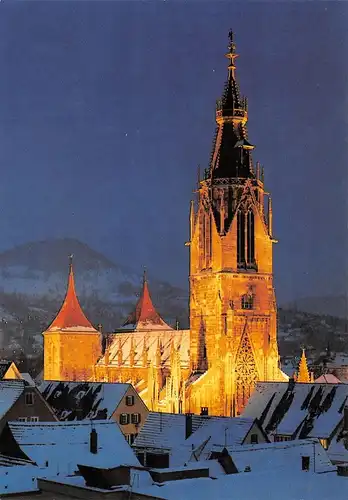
(107, 108)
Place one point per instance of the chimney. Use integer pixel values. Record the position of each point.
(93, 441)
(188, 425)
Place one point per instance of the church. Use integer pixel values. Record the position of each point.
(232, 341)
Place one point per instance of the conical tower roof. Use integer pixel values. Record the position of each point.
(145, 316)
(71, 317)
(303, 373)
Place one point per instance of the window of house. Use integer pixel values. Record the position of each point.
(324, 443)
(305, 463)
(124, 418)
(135, 418)
(129, 400)
(254, 439)
(22, 419)
(204, 410)
(131, 438)
(33, 419)
(29, 398)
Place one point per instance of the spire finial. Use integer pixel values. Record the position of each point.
(231, 55)
(70, 261)
(145, 276)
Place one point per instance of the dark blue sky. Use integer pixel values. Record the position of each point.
(107, 108)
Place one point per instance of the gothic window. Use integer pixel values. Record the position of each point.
(250, 238)
(240, 239)
(247, 301)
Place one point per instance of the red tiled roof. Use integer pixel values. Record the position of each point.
(145, 311)
(70, 314)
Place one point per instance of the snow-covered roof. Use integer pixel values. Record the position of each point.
(269, 485)
(149, 340)
(165, 430)
(298, 409)
(61, 446)
(217, 432)
(18, 478)
(28, 378)
(79, 400)
(284, 455)
(10, 391)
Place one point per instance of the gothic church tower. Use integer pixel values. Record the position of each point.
(232, 301)
(72, 345)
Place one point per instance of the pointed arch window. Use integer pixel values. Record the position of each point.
(240, 239)
(250, 238)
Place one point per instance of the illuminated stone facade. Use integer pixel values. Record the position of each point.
(232, 341)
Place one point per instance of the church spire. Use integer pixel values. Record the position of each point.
(145, 316)
(71, 316)
(303, 373)
(231, 155)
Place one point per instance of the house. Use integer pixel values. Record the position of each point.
(62, 449)
(215, 434)
(19, 401)
(288, 411)
(168, 439)
(96, 401)
(9, 370)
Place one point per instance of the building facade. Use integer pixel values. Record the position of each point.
(232, 342)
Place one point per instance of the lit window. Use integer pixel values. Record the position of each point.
(124, 418)
(324, 443)
(135, 418)
(247, 301)
(29, 398)
(22, 419)
(129, 400)
(33, 419)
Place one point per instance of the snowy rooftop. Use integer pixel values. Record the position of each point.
(165, 430)
(78, 400)
(10, 391)
(60, 446)
(149, 340)
(269, 485)
(286, 455)
(216, 432)
(298, 409)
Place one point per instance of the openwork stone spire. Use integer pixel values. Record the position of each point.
(231, 156)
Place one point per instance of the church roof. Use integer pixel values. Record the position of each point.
(145, 316)
(71, 317)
